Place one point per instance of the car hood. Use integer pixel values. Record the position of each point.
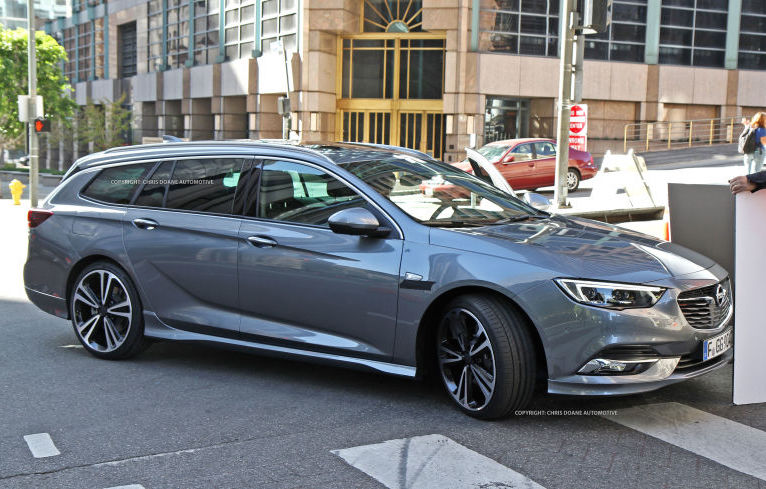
(580, 248)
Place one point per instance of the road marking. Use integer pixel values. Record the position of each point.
(70, 346)
(41, 445)
(132, 486)
(735, 445)
(431, 462)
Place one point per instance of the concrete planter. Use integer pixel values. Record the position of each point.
(46, 179)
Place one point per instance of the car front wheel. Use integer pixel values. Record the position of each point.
(106, 312)
(486, 356)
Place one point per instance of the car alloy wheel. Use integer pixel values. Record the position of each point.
(102, 311)
(466, 359)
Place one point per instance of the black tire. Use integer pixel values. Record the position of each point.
(125, 323)
(573, 179)
(511, 345)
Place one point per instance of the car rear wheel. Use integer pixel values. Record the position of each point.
(485, 356)
(573, 179)
(106, 312)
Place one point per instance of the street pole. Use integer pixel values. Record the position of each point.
(565, 101)
(33, 144)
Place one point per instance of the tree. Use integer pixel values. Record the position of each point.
(51, 82)
(104, 125)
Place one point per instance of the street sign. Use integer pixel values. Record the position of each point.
(578, 127)
(29, 108)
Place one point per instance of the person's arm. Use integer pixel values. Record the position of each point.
(752, 183)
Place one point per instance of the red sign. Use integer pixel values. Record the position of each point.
(578, 127)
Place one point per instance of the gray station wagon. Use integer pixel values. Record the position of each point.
(372, 257)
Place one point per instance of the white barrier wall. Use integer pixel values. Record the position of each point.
(750, 312)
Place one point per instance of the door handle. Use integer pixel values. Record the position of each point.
(531, 165)
(262, 241)
(147, 224)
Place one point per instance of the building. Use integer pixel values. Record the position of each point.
(436, 75)
(13, 13)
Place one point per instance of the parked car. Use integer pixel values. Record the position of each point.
(529, 164)
(333, 253)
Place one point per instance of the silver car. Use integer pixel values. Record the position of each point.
(370, 257)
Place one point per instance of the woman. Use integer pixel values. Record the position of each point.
(754, 161)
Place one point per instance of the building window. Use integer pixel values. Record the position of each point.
(693, 32)
(279, 20)
(393, 16)
(69, 47)
(239, 33)
(154, 46)
(505, 118)
(178, 33)
(205, 31)
(127, 48)
(752, 37)
(84, 50)
(519, 26)
(626, 37)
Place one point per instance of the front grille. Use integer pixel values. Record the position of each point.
(704, 308)
(693, 361)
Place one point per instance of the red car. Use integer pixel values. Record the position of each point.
(530, 163)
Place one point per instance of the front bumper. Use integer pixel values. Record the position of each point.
(662, 374)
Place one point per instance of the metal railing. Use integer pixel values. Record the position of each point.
(664, 135)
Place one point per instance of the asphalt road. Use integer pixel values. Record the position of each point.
(190, 416)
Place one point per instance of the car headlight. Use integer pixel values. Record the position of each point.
(611, 295)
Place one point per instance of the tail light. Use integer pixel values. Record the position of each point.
(35, 217)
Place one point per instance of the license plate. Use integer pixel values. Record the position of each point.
(717, 345)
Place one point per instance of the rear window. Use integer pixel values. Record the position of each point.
(116, 185)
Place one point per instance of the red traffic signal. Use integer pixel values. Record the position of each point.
(42, 125)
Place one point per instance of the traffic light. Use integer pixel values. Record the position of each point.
(42, 125)
(596, 15)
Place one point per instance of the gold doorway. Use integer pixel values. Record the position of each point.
(391, 87)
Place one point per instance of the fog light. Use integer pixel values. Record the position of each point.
(605, 366)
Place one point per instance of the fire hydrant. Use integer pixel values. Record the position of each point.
(17, 188)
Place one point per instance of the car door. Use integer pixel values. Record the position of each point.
(518, 171)
(181, 238)
(302, 285)
(545, 164)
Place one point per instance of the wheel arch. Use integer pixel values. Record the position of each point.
(425, 357)
(85, 261)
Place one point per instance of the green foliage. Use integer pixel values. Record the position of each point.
(104, 124)
(51, 82)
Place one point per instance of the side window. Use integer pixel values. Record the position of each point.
(205, 185)
(116, 185)
(523, 152)
(153, 192)
(545, 150)
(300, 193)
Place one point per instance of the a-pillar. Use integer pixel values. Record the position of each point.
(230, 120)
(170, 120)
(144, 121)
(198, 120)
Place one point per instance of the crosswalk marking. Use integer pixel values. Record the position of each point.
(132, 486)
(431, 462)
(41, 445)
(722, 440)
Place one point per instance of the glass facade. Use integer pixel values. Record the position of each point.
(177, 32)
(519, 26)
(239, 33)
(68, 41)
(84, 51)
(752, 37)
(205, 31)
(154, 46)
(626, 37)
(693, 32)
(279, 20)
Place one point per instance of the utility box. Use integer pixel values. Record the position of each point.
(596, 15)
(283, 106)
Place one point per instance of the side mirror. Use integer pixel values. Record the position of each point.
(537, 201)
(509, 159)
(357, 221)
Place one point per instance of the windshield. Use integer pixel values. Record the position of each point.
(492, 152)
(437, 194)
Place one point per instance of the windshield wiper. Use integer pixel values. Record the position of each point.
(525, 217)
